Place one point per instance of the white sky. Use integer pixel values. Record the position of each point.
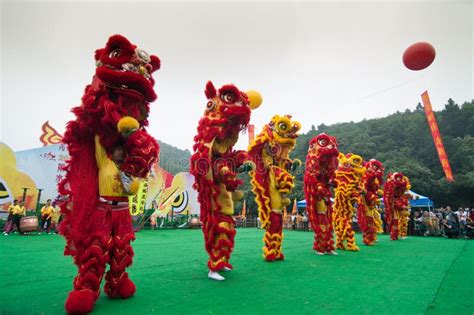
(322, 62)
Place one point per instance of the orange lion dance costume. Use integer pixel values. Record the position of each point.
(367, 214)
(348, 176)
(396, 202)
(111, 118)
(271, 180)
(321, 165)
(215, 165)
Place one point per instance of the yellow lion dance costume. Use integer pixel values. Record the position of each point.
(272, 180)
(348, 178)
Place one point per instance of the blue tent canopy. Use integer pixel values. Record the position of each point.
(301, 204)
(418, 201)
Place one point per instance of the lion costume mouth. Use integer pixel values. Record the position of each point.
(127, 80)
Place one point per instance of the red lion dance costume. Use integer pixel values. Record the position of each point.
(396, 202)
(215, 164)
(367, 214)
(271, 181)
(321, 165)
(348, 176)
(97, 224)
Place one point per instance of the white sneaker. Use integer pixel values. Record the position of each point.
(319, 253)
(404, 238)
(227, 269)
(215, 276)
(5, 233)
(332, 253)
(39, 233)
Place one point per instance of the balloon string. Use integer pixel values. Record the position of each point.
(389, 89)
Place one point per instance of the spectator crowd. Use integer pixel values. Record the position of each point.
(443, 222)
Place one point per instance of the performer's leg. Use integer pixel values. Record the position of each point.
(277, 229)
(219, 233)
(349, 234)
(328, 240)
(91, 258)
(394, 229)
(117, 284)
(43, 221)
(403, 228)
(339, 229)
(48, 225)
(16, 222)
(369, 233)
(318, 244)
(273, 238)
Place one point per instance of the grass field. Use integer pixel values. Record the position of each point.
(413, 276)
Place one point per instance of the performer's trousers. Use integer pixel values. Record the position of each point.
(370, 232)
(219, 233)
(273, 238)
(403, 225)
(322, 227)
(45, 220)
(106, 242)
(344, 232)
(394, 229)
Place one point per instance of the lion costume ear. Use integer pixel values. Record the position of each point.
(98, 53)
(155, 62)
(210, 90)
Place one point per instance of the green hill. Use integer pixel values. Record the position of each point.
(172, 159)
(403, 142)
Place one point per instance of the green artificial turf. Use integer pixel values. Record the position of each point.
(413, 276)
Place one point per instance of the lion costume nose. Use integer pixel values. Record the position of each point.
(142, 70)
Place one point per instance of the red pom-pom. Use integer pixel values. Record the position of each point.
(419, 56)
(127, 289)
(80, 302)
(123, 290)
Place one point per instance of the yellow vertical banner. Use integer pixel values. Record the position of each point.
(137, 202)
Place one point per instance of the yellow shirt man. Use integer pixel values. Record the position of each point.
(47, 211)
(19, 210)
(10, 209)
(112, 182)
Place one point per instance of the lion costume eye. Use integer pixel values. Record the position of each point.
(323, 142)
(210, 106)
(356, 161)
(282, 126)
(228, 98)
(115, 53)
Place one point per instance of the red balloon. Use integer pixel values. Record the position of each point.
(419, 56)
